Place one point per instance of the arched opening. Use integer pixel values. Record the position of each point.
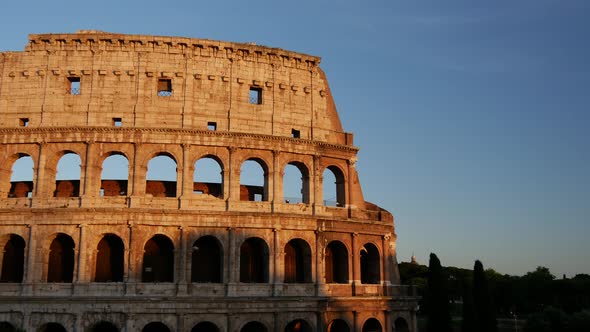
(336, 263)
(208, 177)
(61, 259)
(67, 178)
(205, 327)
(104, 327)
(333, 187)
(109, 259)
(298, 325)
(13, 259)
(296, 183)
(52, 327)
(254, 327)
(207, 260)
(371, 325)
(338, 325)
(155, 327)
(401, 325)
(161, 176)
(297, 262)
(158, 260)
(21, 179)
(7, 327)
(370, 264)
(114, 178)
(254, 180)
(254, 261)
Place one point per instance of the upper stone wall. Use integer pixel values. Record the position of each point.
(205, 84)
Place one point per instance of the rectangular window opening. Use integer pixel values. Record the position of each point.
(117, 122)
(212, 126)
(23, 122)
(295, 133)
(74, 85)
(164, 87)
(255, 95)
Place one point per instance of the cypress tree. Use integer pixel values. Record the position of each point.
(439, 317)
(485, 318)
(468, 322)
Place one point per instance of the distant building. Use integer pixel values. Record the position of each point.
(88, 251)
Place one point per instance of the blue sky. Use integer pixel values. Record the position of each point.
(471, 116)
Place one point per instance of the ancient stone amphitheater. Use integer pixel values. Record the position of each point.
(108, 219)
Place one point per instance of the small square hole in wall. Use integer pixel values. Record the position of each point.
(255, 96)
(164, 87)
(118, 122)
(212, 126)
(23, 122)
(101, 192)
(29, 194)
(295, 133)
(74, 87)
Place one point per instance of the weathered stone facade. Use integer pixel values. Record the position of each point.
(137, 254)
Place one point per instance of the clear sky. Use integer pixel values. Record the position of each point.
(472, 116)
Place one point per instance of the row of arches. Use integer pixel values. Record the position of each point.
(161, 178)
(207, 260)
(297, 325)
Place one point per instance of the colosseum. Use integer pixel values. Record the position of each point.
(176, 184)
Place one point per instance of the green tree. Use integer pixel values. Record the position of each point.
(485, 316)
(439, 317)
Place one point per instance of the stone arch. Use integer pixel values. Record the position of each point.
(207, 260)
(12, 153)
(113, 181)
(401, 325)
(292, 184)
(372, 325)
(158, 260)
(7, 327)
(21, 181)
(297, 262)
(253, 185)
(155, 327)
(208, 176)
(298, 325)
(254, 326)
(161, 177)
(110, 258)
(338, 325)
(370, 264)
(254, 260)
(51, 327)
(13, 259)
(60, 267)
(336, 263)
(205, 327)
(68, 175)
(104, 326)
(334, 195)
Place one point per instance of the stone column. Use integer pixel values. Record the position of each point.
(130, 277)
(277, 180)
(319, 261)
(81, 262)
(88, 174)
(316, 179)
(233, 175)
(232, 269)
(181, 280)
(186, 181)
(356, 263)
(41, 182)
(29, 268)
(277, 258)
(385, 275)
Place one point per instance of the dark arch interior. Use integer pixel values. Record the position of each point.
(205, 327)
(158, 260)
(401, 325)
(52, 327)
(61, 259)
(254, 261)
(254, 327)
(372, 325)
(336, 263)
(13, 259)
(155, 327)
(109, 259)
(297, 262)
(338, 325)
(298, 325)
(7, 327)
(104, 327)
(370, 265)
(207, 260)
